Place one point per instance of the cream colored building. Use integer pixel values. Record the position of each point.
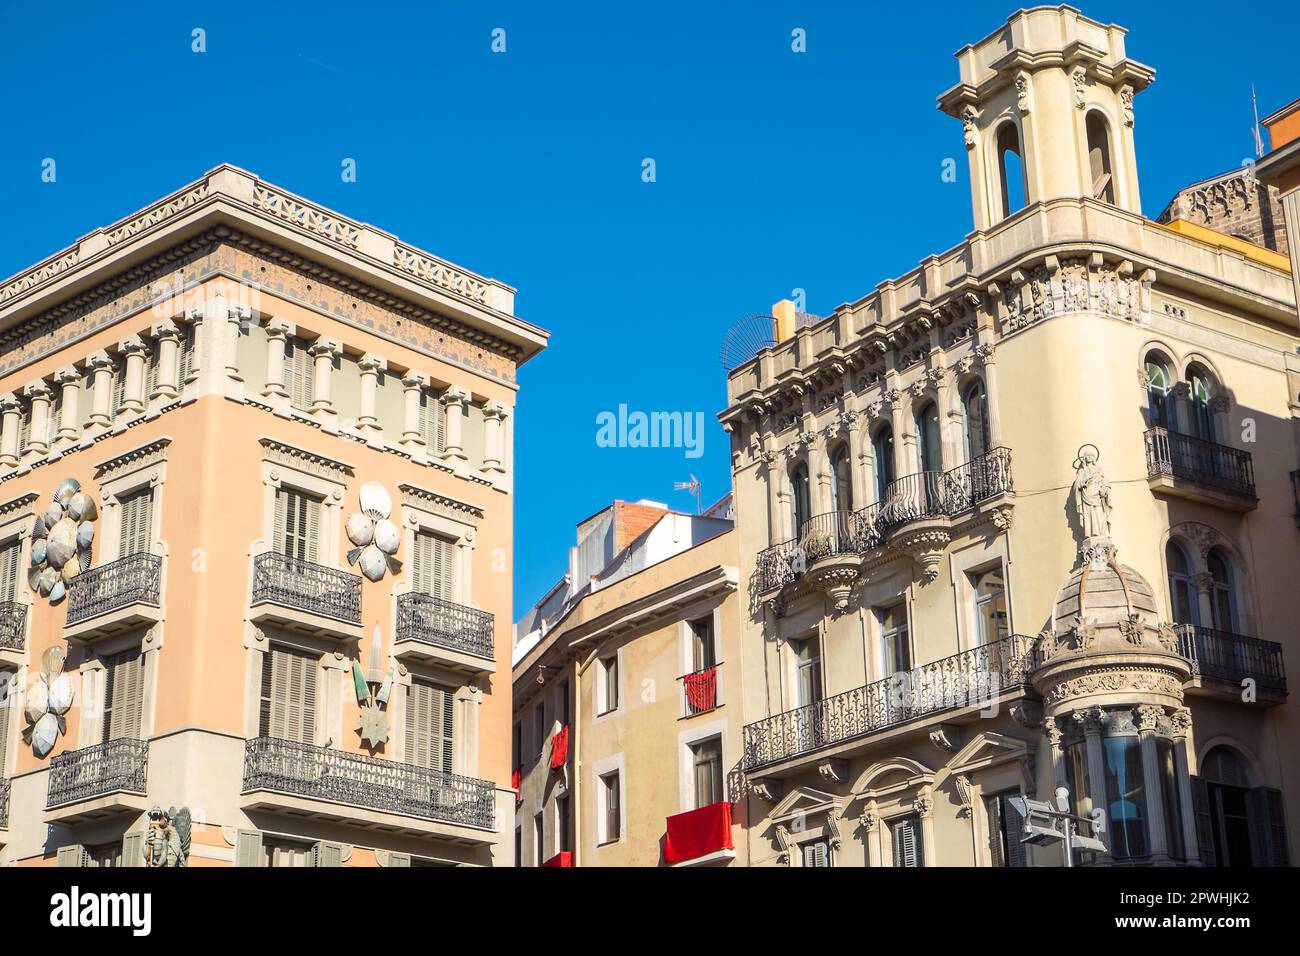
(259, 399)
(1024, 517)
(626, 693)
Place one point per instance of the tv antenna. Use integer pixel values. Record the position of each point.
(693, 487)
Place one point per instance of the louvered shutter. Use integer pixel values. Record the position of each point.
(429, 726)
(297, 524)
(399, 860)
(54, 416)
(327, 854)
(815, 854)
(248, 848)
(133, 848)
(907, 843)
(292, 702)
(432, 421)
(185, 357)
(1013, 826)
(24, 427)
(151, 371)
(993, 813)
(1204, 821)
(124, 690)
(73, 855)
(1267, 827)
(301, 373)
(119, 386)
(5, 697)
(10, 555)
(136, 525)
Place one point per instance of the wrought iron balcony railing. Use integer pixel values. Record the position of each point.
(777, 566)
(971, 678)
(13, 625)
(119, 766)
(836, 532)
(433, 620)
(1174, 455)
(135, 579)
(1224, 656)
(322, 773)
(4, 803)
(292, 582)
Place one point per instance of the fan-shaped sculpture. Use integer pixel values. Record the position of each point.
(61, 538)
(376, 538)
(48, 699)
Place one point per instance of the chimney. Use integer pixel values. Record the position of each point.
(785, 321)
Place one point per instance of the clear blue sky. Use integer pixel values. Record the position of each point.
(775, 170)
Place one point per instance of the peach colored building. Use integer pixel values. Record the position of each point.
(291, 437)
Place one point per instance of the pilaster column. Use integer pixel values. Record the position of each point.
(1204, 584)
(38, 401)
(950, 433)
(1093, 722)
(168, 336)
(323, 353)
(857, 459)
(464, 566)
(11, 410)
(870, 824)
(194, 317)
(986, 354)
(68, 379)
(454, 400)
(1147, 717)
(904, 463)
(101, 370)
(370, 365)
(494, 416)
(413, 384)
(819, 481)
(923, 806)
(278, 333)
(135, 351)
(1181, 393)
(1181, 724)
(1054, 737)
(772, 479)
(234, 318)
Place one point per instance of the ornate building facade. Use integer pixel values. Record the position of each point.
(1025, 517)
(256, 476)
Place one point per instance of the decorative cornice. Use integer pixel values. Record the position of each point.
(413, 496)
(141, 457)
(303, 460)
(17, 504)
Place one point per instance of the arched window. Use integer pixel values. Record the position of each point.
(842, 488)
(977, 420)
(882, 449)
(1201, 391)
(799, 491)
(1227, 798)
(930, 444)
(1103, 183)
(1223, 601)
(1159, 406)
(1011, 169)
(1182, 593)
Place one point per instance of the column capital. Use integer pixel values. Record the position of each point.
(1180, 722)
(194, 314)
(1148, 717)
(68, 375)
(9, 402)
(332, 348)
(239, 313)
(280, 329)
(132, 345)
(496, 410)
(986, 353)
(413, 380)
(166, 329)
(38, 389)
(454, 395)
(370, 362)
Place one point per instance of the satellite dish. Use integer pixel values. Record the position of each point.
(746, 339)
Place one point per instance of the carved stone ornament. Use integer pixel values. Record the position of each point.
(833, 771)
(962, 784)
(923, 804)
(868, 820)
(167, 841)
(1022, 92)
(939, 738)
(968, 116)
(1148, 717)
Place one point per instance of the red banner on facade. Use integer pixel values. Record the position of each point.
(698, 833)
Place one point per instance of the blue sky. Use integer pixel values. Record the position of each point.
(774, 170)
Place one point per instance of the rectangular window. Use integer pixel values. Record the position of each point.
(430, 725)
(185, 357)
(288, 700)
(816, 853)
(119, 386)
(135, 523)
(1006, 827)
(123, 695)
(296, 531)
(810, 672)
(906, 834)
(989, 592)
(519, 847)
(609, 684)
(24, 427)
(55, 415)
(431, 421)
(896, 653)
(562, 824)
(539, 726)
(151, 361)
(703, 651)
(613, 810)
(300, 371)
(108, 856)
(537, 838)
(10, 558)
(517, 746)
(707, 759)
(285, 853)
(564, 703)
(433, 567)
(5, 695)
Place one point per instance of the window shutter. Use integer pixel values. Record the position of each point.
(399, 860)
(71, 855)
(433, 571)
(327, 854)
(185, 357)
(312, 509)
(907, 843)
(278, 521)
(248, 848)
(301, 374)
(1013, 825)
(10, 554)
(136, 523)
(124, 693)
(296, 524)
(1267, 827)
(429, 726)
(24, 427)
(993, 814)
(815, 854)
(133, 848)
(292, 702)
(5, 697)
(1204, 821)
(420, 573)
(55, 415)
(151, 371)
(432, 421)
(119, 386)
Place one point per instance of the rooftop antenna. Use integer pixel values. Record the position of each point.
(692, 486)
(1259, 142)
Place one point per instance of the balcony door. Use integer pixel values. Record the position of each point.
(432, 566)
(135, 523)
(123, 696)
(977, 417)
(706, 757)
(882, 451)
(430, 725)
(288, 702)
(842, 486)
(296, 531)
(929, 440)
(1183, 602)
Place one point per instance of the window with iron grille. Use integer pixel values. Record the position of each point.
(135, 523)
(123, 695)
(300, 372)
(288, 699)
(430, 725)
(433, 566)
(296, 530)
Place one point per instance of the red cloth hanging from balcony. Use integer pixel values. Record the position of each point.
(697, 833)
(563, 858)
(516, 778)
(560, 747)
(701, 690)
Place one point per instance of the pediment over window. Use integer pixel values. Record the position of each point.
(892, 775)
(804, 802)
(987, 750)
